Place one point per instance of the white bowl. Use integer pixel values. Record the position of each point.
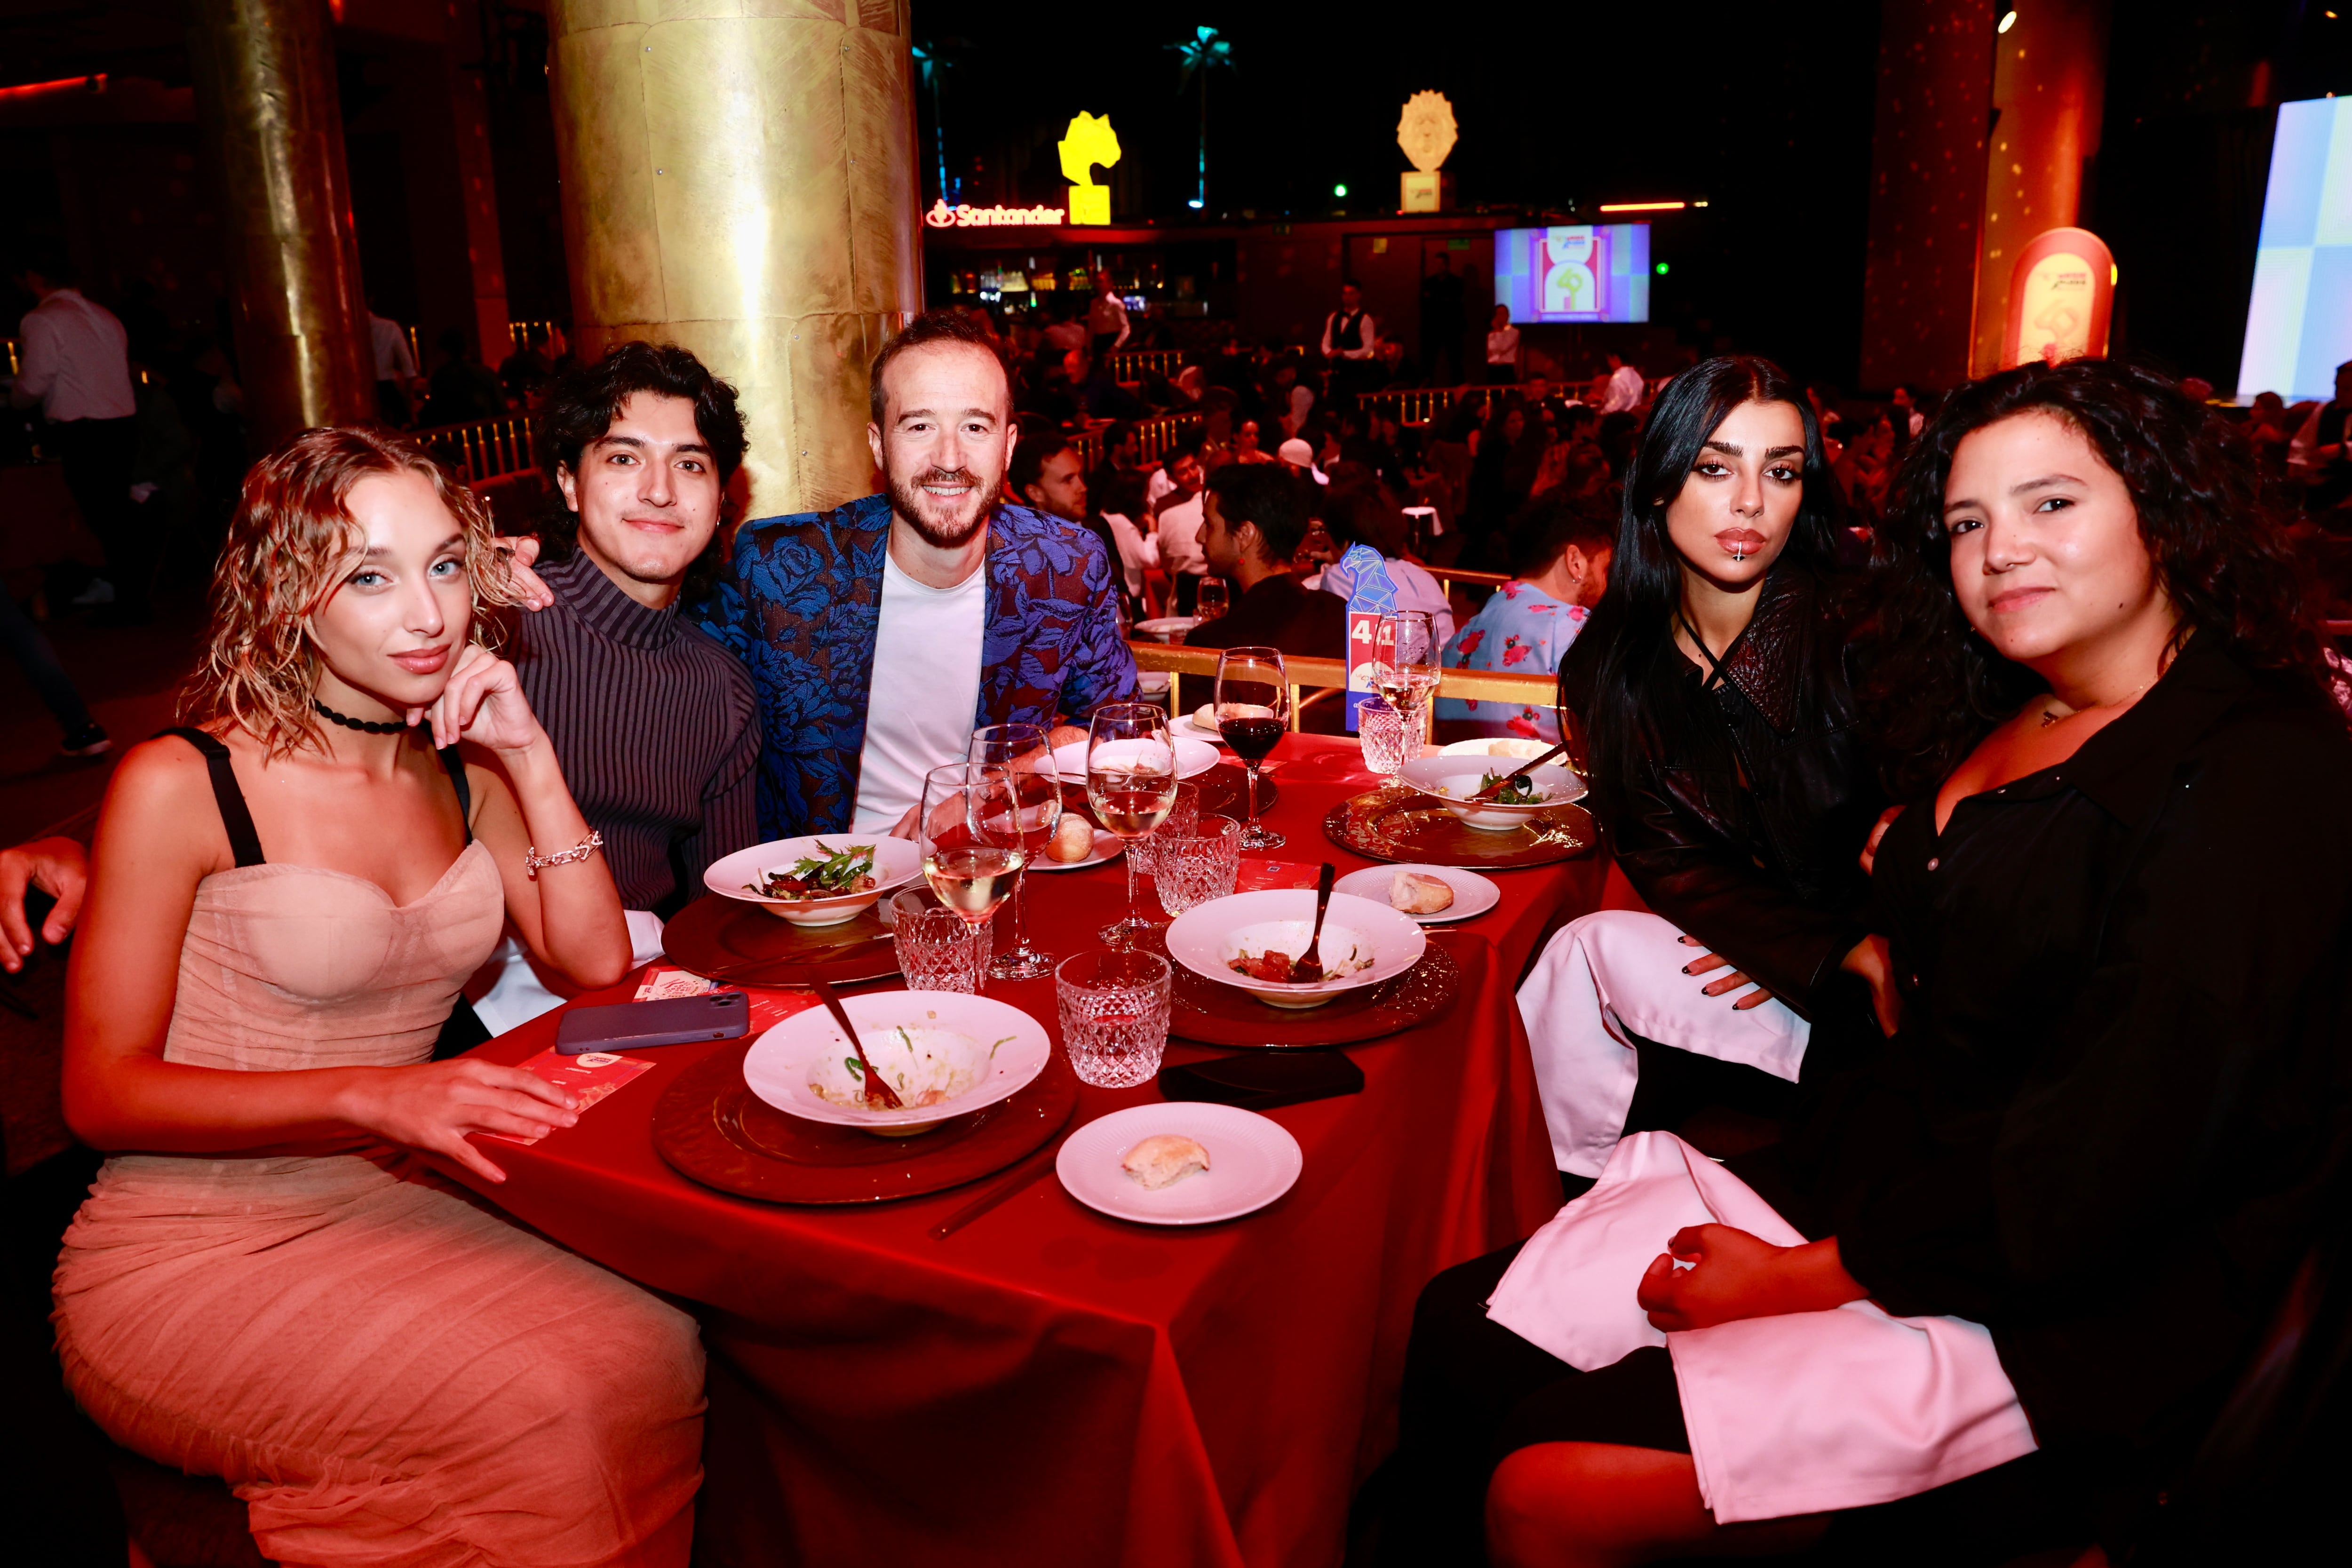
(1206, 938)
(981, 1049)
(1192, 757)
(1517, 747)
(897, 862)
(1451, 781)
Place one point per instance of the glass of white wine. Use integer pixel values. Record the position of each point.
(1016, 801)
(970, 874)
(1409, 668)
(1131, 785)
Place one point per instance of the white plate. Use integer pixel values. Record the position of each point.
(1167, 629)
(1192, 758)
(1515, 746)
(1473, 895)
(1188, 728)
(897, 862)
(1251, 1161)
(808, 1046)
(1205, 936)
(1107, 848)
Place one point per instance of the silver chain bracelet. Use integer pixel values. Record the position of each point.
(532, 860)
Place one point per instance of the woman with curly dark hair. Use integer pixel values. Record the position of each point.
(2011, 1265)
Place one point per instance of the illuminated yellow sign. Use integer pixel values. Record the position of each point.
(1089, 141)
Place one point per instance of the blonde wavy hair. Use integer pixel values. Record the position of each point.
(288, 545)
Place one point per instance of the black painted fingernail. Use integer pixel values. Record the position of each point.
(1685, 969)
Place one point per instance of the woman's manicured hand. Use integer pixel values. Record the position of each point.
(482, 703)
(1707, 964)
(433, 1107)
(1736, 1275)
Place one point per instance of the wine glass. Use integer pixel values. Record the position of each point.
(1253, 709)
(970, 874)
(1409, 668)
(1131, 785)
(1213, 600)
(1017, 802)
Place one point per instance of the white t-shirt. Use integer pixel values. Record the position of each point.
(1137, 550)
(919, 710)
(1503, 346)
(1179, 539)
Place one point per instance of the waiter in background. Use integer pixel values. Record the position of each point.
(76, 364)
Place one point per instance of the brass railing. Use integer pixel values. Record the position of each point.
(1316, 674)
(1155, 435)
(520, 334)
(483, 449)
(1134, 365)
(1413, 404)
(16, 365)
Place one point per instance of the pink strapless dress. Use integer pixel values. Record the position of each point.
(388, 1373)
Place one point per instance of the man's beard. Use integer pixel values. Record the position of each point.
(909, 499)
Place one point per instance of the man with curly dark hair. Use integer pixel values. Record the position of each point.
(656, 724)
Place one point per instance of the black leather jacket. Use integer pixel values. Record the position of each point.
(1743, 812)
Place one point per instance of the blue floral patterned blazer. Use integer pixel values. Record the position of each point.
(799, 604)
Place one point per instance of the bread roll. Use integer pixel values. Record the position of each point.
(1165, 1159)
(1416, 894)
(1205, 716)
(1073, 841)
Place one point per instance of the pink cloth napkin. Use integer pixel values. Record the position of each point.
(1799, 1413)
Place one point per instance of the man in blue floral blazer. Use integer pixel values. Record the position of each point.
(880, 634)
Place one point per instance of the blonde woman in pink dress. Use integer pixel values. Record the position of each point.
(267, 1283)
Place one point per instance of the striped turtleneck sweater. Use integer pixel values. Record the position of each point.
(655, 725)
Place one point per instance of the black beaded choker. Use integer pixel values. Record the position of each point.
(370, 726)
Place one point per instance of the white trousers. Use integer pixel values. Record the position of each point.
(1616, 973)
(1801, 1412)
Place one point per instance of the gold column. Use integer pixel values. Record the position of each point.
(265, 81)
(740, 179)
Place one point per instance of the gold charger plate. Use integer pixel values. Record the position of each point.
(1397, 823)
(729, 941)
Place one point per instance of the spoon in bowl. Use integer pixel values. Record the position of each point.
(1308, 967)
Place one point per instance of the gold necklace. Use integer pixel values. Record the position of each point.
(2051, 716)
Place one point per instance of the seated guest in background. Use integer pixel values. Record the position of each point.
(1048, 474)
(267, 1284)
(1249, 443)
(1119, 503)
(2318, 456)
(654, 723)
(1098, 393)
(2012, 1269)
(1527, 625)
(1256, 516)
(1354, 513)
(1179, 474)
(880, 634)
(1729, 777)
(1176, 522)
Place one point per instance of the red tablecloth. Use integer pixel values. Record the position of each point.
(1049, 1385)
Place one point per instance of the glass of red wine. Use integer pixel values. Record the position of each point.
(1253, 710)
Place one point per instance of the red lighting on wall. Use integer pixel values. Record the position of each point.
(47, 89)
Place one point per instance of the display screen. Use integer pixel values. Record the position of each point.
(2299, 321)
(1577, 272)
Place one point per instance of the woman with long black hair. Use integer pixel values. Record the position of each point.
(1727, 777)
